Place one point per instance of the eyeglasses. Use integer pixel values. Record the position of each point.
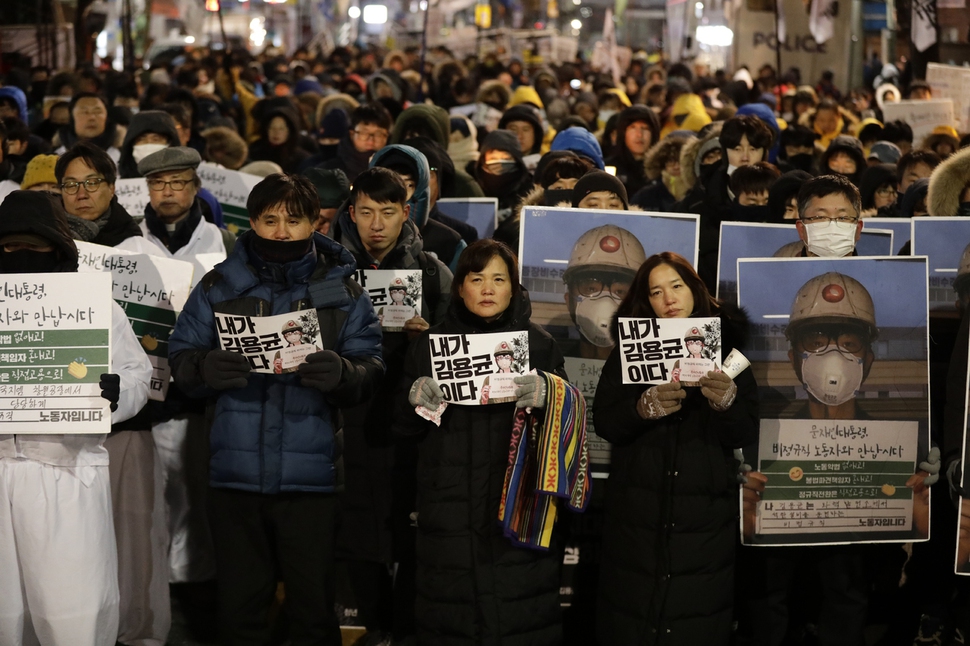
(819, 340)
(90, 185)
(886, 191)
(380, 135)
(160, 184)
(92, 113)
(843, 222)
(593, 287)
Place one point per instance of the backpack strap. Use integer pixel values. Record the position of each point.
(430, 285)
(228, 240)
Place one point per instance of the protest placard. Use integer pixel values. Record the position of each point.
(55, 343)
(273, 344)
(585, 375)
(7, 187)
(922, 116)
(901, 228)
(478, 369)
(231, 188)
(839, 352)
(943, 241)
(152, 290)
(961, 563)
(479, 212)
(657, 351)
(763, 240)
(395, 294)
(133, 195)
(952, 82)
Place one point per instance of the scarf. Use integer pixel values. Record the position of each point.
(354, 161)
(548, 460)
(87, 230)
(184, 229)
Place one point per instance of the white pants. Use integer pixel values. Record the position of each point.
(58, 559)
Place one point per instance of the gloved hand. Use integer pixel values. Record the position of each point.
(531, 392)
(932, 466)
(223, 370)
(110, 389)
(660, 401)
(426, 392)
(719, 389)
(322, 370)
(743, 469)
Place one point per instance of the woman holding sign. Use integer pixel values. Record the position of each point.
(474, 585)
(672, 501)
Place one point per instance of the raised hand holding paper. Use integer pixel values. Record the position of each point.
(657, 351)
(273, 344)
(478, 369)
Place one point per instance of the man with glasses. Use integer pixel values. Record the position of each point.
(370, 126)
(87, 177)
(90, 122)
(601, 267)
(828, 222)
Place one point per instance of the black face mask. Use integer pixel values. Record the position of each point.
(802, 161)
(281, 251)
(497, 185)
(26, 261)
(750, 213)
(707, 172)
(556, 196)
(964, 210)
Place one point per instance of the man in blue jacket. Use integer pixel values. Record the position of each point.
(274, 446)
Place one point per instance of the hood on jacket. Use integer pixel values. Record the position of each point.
(495, 94)
(463, 142)
(660, 153)
(688, 113)
(874, 177)
(427, 120)
(525, 94)
(784, 188)
(17, 95)
(580, 141)
(420, 202)
(404, 255)
(388, 77)
(916, 191)
(629, 116)
(38, 213)
(690, 158)
(344, 101)
(947, 183)
(501, 140)
(766, 114)
(289, 115)
(530, 115)
(852, 147)
(155, 121)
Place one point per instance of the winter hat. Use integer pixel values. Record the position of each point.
(582, 142)
(40, 170)
(873, 178)
(784, 188)
(886, 152)
(332, 186)
(262, 168)
(307, 84)
(914, 193)
(335, 124)
(704, 148)
(595, 181)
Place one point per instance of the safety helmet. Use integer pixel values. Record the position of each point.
(399, 284)
(292, 326)
(504, 347)
(606, 247)
(694, 334)
(832, 298)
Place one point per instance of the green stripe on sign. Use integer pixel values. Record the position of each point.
(23, 339)
(891, 487)
(823, 468)
(53, 357)
(160, 332)
(51, 375)
(148, 313)
(235, 216)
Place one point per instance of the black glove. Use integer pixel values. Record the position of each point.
(222, 370)
(110, 389)
(322, 371)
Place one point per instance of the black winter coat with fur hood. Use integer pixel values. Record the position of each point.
(672, 509)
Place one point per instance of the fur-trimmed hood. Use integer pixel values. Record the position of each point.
(947, 183)
(661, 152)
(688, 154)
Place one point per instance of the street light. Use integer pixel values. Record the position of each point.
(354, 12)
(375, 14)
(576, 23)
(714, 35)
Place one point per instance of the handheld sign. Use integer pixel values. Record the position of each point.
(943, 241)
(55, 342)
(395, 294)
(273, 344)
(657, 351)
(480, 212)
(133, 195)
(478, 369)
(231, 188)
(922, 116)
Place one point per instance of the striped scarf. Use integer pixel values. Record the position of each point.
(548, 459)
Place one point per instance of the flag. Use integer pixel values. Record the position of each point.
(821, 20)
(609, 42)
(924, 24)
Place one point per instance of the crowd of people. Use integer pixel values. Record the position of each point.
(246, 492)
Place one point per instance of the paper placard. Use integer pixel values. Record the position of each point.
(585, 375)
(273, 344)
(55, 343)
(658, 351)
(395, 294)
(133, 195)
(479, 212)
(231, 188)
(922, 116)
(478, 369)
(152, 290)
(943, 241)
(952, 82)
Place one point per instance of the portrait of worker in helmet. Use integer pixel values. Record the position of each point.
(504, 356)
(293, 333)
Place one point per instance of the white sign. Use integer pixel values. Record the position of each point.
(476, 369)
(952, 82)
(922, 116)
(133, 195)
(395, 293)
(657, 351)
(231, 188)
(273, 344)
(55, 343)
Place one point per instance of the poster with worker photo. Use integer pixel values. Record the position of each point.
(479, 369)
(55, 343)
(946, 243)
(961, 563)
(479, 212)
(274, 345)
(657, 351)
(132, 193)
(231, 188)
(395, 293)
(922, 116)
(755, 240)
(901, 228)
(152, 290)
(839, 352)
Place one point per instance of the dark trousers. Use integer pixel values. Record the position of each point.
(260, 539)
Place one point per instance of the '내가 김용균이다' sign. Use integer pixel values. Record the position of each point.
(273, 344)
(475, 369)
(657, 351)
(395, 294)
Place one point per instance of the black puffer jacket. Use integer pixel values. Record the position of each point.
(629, 170)
(672, 510)
(473, 586)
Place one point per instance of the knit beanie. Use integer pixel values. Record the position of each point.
(595, 181)
(40, 170)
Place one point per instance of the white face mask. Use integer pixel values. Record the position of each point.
(140, 151)
(207, 88)
(604, 115)
(731, 169)
(831, 377)
(829, 240)
(594, 315)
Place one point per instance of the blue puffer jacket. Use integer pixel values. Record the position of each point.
(276, 435)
